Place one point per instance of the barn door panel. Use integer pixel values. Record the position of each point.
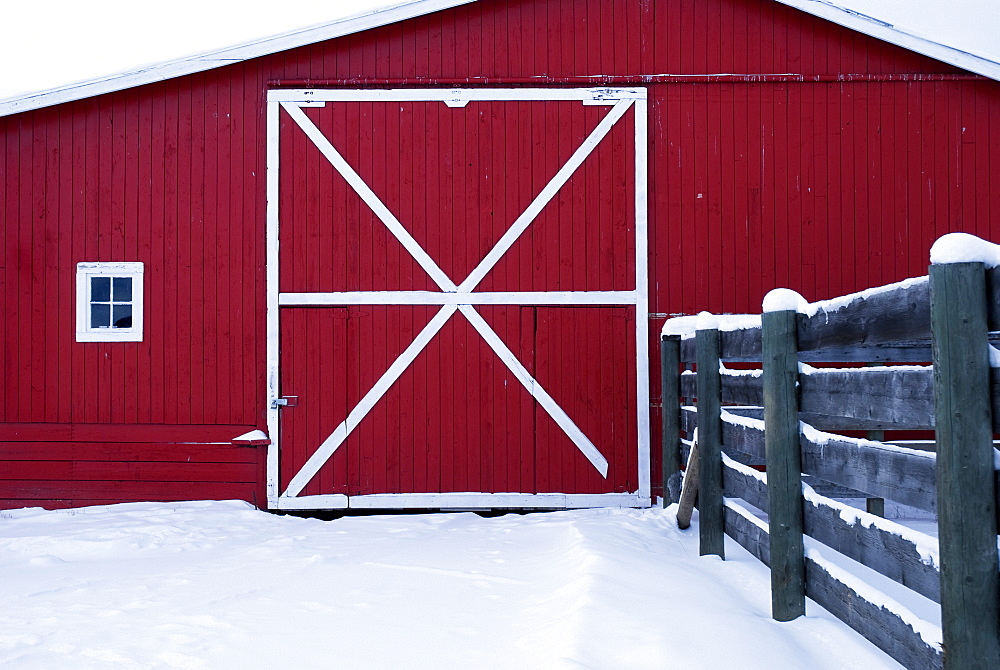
(455, 420)
(584, 238)
(332, 238)
(583, 355)
(314, 374)
(485, 421)
(451, 235)
(462, 176)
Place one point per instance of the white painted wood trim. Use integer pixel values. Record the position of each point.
(484, 298)
(534, 209)
(553, 409)
(465, 501)
(273, 390)
(220, 57)
(135, 271)
(642, 290)
(330, 501)
(600, 95)
(454, 298)
(340, 434)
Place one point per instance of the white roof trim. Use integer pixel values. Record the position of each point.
(887, 32)
(219, 58)
(408, 9)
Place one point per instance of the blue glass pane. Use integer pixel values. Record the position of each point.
(100, 316)
(123, 289)
(100, 289)
(122, 316)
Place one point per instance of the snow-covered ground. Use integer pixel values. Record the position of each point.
(221, 585)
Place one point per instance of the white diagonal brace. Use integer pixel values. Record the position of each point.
(546, 194)
(557, 413)
(372, 200)
(395, 371)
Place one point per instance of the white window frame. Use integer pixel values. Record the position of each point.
(84, 272)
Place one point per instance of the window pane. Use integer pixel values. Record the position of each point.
(123, 289)
(122, 316)
(100, 289)
(100, 316)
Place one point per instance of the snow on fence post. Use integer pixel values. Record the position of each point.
(966, 507)
(783, 454)
(711, 524)
(670, 395)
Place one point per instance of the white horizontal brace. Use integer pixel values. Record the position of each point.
(479, 298)
(329, 501)
(490, 500)
(455, 94)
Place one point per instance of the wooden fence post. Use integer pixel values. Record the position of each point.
(670, 385)
(967, 530)
(711, 524)
(784, 464)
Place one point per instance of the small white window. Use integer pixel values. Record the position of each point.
(109, 302)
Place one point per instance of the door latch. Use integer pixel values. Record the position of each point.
(286, 401)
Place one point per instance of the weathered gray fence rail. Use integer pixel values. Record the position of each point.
(892, 398)
(892, 325)
(944, 319)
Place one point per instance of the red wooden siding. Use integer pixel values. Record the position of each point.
(823, 186)
(73, 195)
(73, 465)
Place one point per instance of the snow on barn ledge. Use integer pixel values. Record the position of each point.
(424, 250)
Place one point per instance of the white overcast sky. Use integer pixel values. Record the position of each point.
(48, 43)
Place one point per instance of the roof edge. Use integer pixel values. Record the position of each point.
(888, 32)
(208, 60)
(410, 9)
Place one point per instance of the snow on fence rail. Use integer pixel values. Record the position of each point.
(945, 318)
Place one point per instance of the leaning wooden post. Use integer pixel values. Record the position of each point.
(670, 383)
(710, 510)
(783, 454)
(967, 530)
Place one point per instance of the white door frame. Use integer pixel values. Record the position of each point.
(453, 298)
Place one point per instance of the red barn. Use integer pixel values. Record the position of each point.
(424, 251)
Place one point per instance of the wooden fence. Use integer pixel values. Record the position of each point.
(945, 319)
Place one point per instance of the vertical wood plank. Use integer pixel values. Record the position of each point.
(208, 267)
(64, 288)
(183, 306)
(967, 528)
(784, 465)
(9, 216)
(711, 525)
(197, 308)
(34, 364)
